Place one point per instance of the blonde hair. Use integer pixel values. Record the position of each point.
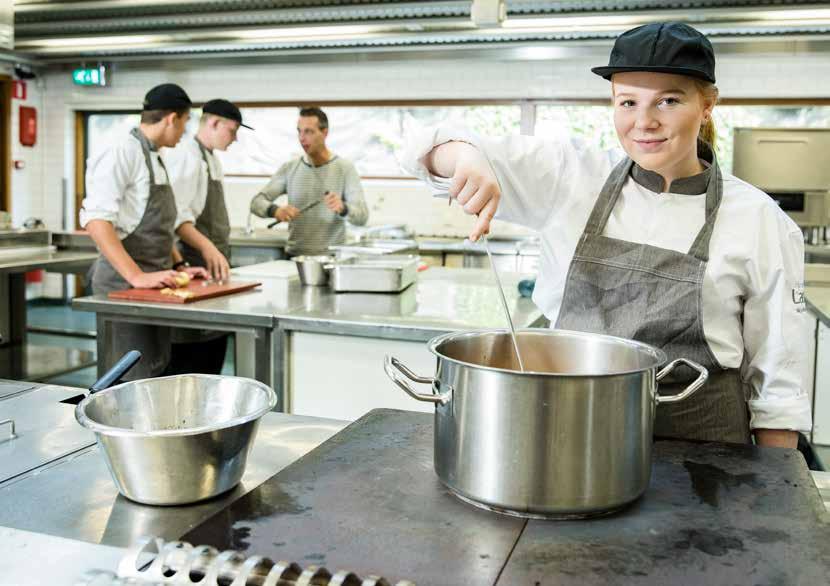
(709, 93)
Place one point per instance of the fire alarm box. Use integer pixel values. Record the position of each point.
(19, 89)
(28, 126)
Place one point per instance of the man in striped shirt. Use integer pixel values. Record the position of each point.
(323, 191)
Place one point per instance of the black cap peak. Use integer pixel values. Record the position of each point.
(225, 109)
(662, 47)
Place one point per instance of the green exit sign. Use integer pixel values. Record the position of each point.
(90, 76)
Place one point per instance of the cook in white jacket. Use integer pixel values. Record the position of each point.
(202, 224)
(659, 245)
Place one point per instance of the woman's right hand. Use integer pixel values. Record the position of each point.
(472, 182)
(156, 280)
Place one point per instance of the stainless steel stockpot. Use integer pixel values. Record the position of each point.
(178, 439)
(570, 436)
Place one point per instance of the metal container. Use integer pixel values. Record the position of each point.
(178, 439)
(312, 269)
(376, 247)
(570, 437)
(383, 274)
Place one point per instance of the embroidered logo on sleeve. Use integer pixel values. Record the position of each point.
(798, 297)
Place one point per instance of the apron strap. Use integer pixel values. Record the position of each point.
(146, 148)
(203, 150)
(607, 198)
(714, 195)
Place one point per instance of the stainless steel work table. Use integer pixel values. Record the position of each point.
(333, 345)
(261, 245)
(441, 300)
(250, 315)
(13, 350)
(74, 497)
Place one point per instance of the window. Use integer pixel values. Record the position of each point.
(102, 130)
(370, 137)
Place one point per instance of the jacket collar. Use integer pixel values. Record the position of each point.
(694, 185)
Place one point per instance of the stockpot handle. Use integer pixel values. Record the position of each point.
(688, 391)
(392, 364)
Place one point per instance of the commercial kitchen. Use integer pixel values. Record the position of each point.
(387, 292)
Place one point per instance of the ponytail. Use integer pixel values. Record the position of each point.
(708, 132)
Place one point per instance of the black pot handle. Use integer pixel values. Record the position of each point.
(114, 374)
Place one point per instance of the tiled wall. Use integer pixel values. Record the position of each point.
(37, 190)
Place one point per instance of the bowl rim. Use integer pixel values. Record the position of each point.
(109, 430)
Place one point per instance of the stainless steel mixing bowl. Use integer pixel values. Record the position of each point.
(177, 439)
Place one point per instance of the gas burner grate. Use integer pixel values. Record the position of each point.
(154, 562)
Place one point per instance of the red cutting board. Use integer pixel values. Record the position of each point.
(197, 286)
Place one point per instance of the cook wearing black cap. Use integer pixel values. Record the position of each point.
(656, 243)
(130, 212)
(202, 223)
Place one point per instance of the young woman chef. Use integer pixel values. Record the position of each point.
(660, 245)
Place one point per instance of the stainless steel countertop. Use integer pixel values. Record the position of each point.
(250, 308)
(525, 246)
(75, 497)
(46, 430)
(260, 237)
(818, 301)
(34, 559)
(263, 237)
(13, 388)
(59, 260)
(442, 300)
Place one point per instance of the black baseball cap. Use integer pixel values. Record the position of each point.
(167, 96)
(662, 47)
(225, 109)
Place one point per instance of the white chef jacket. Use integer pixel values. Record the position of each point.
(752, 318)
(118, 185)
(189, 177)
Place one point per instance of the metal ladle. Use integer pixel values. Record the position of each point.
(503, 302)
(498, 285)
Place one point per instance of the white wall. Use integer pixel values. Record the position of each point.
(37, 188)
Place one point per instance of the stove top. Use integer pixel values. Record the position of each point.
(368, 501)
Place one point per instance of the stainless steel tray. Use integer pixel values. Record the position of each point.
(382, 274)
(376, 247)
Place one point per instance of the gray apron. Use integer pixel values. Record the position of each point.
(150, 246)
(653, 295)
(213, 222)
